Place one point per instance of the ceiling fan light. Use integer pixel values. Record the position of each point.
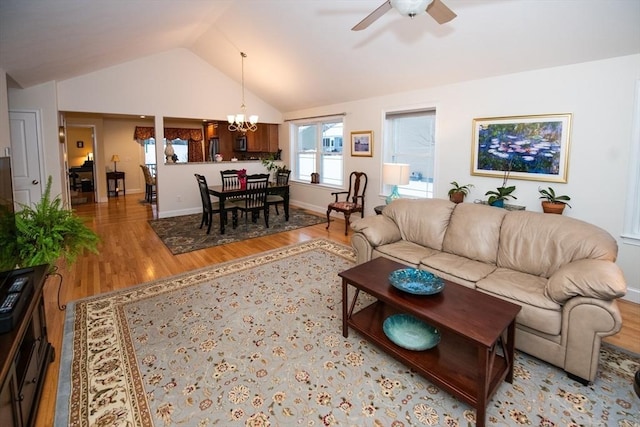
(409, 7)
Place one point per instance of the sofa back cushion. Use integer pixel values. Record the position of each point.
(538, 243)
(474, 232)
(421, 221)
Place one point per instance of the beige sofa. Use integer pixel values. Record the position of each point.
(560, 270)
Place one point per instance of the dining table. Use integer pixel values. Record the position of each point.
(229, 193)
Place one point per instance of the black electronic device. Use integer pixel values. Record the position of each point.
(15, 291)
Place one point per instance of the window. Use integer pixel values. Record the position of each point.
(410, 138)
(318, 147)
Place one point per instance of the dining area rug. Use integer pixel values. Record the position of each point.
(181, 234)
(258, 341)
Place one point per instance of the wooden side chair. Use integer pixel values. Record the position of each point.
(353, 201)
(282, 179)
(255, 199)
(209, 207)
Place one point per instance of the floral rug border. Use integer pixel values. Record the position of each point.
(74, 391)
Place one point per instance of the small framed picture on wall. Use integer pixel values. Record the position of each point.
(80, 144)
(362, 143)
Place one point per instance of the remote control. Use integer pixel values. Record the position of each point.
(9, 302)
(18, 284)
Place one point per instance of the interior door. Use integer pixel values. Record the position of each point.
(26, 158)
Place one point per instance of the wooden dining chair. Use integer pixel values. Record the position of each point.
(150, 183)
(353, 201)
(255, 198)
(282, 179)
(209, 207)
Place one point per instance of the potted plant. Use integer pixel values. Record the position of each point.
(552, 203)
(458, 192)
(497, 198)
(43, 233)
(273, 163)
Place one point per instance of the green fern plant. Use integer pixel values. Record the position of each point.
(46, 232)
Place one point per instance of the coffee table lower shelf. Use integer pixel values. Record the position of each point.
(454, 364)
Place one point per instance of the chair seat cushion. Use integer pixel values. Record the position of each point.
(344, 206)
(272, 198)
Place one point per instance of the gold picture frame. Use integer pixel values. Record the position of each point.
(362, 143)
(534, 147)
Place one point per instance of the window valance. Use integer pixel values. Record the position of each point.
(146, 132)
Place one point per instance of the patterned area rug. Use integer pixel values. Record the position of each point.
(182, 234)
(258, 342)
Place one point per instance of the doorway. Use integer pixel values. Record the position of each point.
(80, 158)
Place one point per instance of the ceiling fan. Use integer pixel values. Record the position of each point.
(438, 11)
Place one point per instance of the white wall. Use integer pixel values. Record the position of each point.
(600, 95)
(5, 141)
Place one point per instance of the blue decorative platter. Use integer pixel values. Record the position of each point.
(418, 282)
(410, 332)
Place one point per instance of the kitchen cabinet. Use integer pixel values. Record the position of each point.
(264, 139)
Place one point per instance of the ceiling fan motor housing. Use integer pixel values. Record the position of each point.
(410, 8)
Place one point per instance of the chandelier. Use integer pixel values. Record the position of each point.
(238, 122)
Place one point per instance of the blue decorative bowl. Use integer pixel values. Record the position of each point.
(418, 282)
(410, 332)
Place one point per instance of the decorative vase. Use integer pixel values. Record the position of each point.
(218, 157)
(169, 152)
(243, 183)
(553, 208)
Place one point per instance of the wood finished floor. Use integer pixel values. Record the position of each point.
(131, 253)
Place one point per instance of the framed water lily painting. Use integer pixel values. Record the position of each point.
(524, 147)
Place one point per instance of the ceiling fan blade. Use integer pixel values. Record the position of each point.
(373, 16)
(440, 12)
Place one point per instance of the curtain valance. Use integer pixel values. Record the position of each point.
(145, 132)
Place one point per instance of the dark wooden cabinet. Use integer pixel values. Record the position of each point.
(25, 354)
(264, 139)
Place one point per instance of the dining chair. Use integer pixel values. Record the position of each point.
(255, 198)
(209, 207)
(282, 179)
(353, 202)
(150, 183)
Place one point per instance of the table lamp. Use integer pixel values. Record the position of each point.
(395, 174)
(115, 158)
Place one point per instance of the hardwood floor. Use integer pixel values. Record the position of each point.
(131, 253)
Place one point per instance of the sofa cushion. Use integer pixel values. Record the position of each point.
(474, 232)
(421, 221)
(539, 244)
(591, 278)
(458, 267)
(405, 252)
(538, 311)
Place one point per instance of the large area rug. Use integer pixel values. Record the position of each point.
(182, 234)
(258, 342)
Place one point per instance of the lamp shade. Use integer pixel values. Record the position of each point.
(115, 158)
(395, 173)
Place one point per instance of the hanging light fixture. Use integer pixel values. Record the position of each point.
(238, 122)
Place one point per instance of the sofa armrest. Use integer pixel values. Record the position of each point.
(590, 278)
(378, 230)
(585, 321)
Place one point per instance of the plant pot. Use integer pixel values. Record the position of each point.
(553, 208)
(498, 203)
(457, 197)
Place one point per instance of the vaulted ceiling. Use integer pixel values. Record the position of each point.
(302, 53)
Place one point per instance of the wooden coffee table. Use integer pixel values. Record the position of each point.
(475, 353)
